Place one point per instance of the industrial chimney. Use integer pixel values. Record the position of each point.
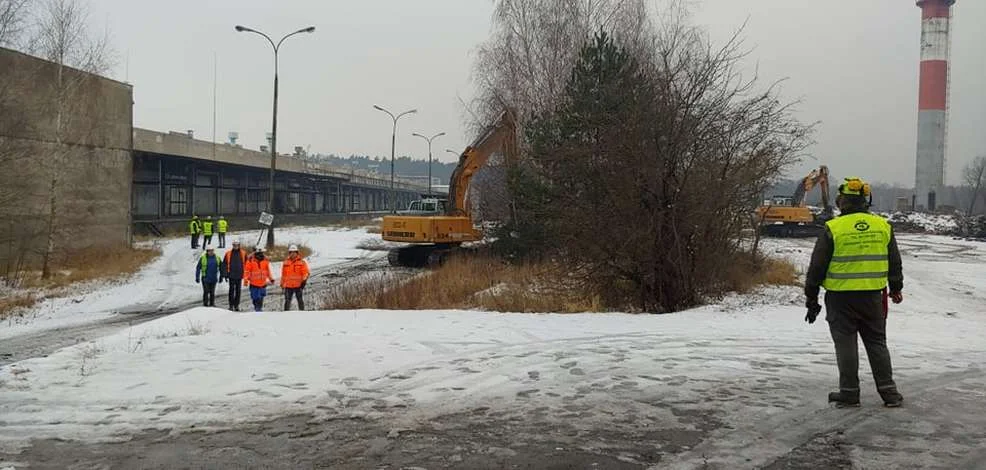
(929, 176)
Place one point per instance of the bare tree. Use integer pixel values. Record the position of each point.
(641, 171)
(63, 35)
(974, 175)
(13, 17)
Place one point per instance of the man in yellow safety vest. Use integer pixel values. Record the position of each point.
(855, 260)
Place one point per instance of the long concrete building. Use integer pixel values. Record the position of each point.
(75, 173)
(176, 176)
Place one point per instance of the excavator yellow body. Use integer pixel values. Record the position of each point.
(790, 217)
(431, 236)
(430, 229)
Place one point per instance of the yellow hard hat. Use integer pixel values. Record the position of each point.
(854, 186)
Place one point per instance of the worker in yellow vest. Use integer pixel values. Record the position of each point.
(207, 230)
(194, 229)
(222, 227)
(856, 259)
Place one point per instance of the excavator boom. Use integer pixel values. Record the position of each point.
(431, 237)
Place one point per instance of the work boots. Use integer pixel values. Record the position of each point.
(844, 399)
(891, 398)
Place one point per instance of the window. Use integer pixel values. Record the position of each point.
(176, 200)
(145, 200)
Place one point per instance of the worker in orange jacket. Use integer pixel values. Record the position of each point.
(294, 277)
(256, 274)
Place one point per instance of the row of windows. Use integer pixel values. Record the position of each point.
(179, 201)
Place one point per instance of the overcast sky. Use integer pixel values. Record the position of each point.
(853, 64)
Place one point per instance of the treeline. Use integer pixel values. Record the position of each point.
(644, 149)
(404, 166)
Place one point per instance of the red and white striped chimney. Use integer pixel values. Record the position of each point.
(932, 100)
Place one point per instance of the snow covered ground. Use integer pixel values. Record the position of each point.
(169, 281)
(738, 384)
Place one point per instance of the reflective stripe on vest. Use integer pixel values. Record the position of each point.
(860, 255)
(223, 226)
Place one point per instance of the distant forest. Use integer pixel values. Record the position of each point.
(403, 166)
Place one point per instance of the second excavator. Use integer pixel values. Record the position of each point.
(789, 216)
(430, 235)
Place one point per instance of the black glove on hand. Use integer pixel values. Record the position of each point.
(304, 283)
(813, 309)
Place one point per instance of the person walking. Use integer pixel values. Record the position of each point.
(207, 270)
(221, 227)
(207, 231)
(233, 263)
(855, 259)
(294, 277)
(194, 229)
(256, 275)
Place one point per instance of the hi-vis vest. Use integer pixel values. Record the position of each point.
(860, 256)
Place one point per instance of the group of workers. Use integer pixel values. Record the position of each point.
(206, 228)
(253, 271)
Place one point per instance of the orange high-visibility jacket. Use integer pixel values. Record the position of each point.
(257, 273)
(293, 273)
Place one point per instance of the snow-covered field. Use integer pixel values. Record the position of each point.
(746, 377)
(169, 281)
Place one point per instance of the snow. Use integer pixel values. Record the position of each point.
(169, 281)
(208, 367)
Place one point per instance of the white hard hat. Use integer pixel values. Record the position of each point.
(236, 242)
(258, 248)
(293, 248)
(209, 248)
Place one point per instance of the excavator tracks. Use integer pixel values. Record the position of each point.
(420, 256)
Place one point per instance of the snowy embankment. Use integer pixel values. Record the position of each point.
(169, 281)
(749, 362)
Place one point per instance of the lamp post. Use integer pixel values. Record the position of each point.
(429, 139)
(273, 134)
(393, 146)
(453, 152)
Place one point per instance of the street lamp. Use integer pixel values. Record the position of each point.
(453, 152)
(273, 134)
(429, 139)
(393, 144)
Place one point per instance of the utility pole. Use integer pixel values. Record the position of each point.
(393, 147)
(429, 139)
(273, 137)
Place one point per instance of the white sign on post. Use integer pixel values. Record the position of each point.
(266, 219)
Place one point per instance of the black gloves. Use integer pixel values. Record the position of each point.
(304, 283)
(813, 309)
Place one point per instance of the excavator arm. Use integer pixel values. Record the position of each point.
(498, 138)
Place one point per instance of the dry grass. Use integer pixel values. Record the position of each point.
(280, 252)
(93, 263)
(467, 281)
(9, 304)
(747, 273)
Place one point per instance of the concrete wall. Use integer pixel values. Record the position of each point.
(68, 128)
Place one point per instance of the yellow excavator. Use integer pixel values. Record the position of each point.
(432, 228)
(789, 216)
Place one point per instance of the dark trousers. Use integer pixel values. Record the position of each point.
(222, 240)
(288, 292)
(208, 294)
(207, 240)
(234, 293)
(195, 241)
(860, 314)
